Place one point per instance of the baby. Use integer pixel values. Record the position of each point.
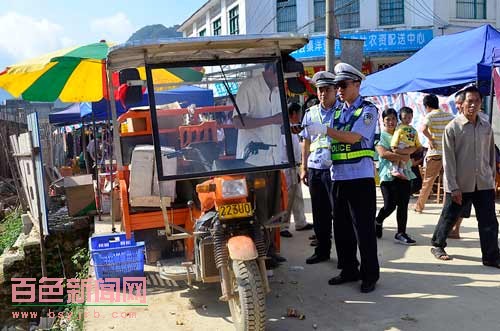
(405, 136)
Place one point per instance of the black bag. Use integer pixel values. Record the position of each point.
(134, 93)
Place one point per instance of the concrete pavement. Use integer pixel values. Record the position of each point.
(415, 291)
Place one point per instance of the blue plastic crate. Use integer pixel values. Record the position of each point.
(124, 259)
(113, 240)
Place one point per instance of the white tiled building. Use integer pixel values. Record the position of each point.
(355, 18)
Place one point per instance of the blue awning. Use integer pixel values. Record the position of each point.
(185, 95)
(445, 62)
(71, 115)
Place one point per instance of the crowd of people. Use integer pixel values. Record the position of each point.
(339, 140)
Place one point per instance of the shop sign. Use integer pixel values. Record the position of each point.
(376, 41)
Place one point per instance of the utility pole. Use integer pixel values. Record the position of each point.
(330, 35)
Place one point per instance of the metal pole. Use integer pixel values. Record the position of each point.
(96, 170)
(330, 35)
(35, 151)
(84, 149)
(492, 91)
(116, 141)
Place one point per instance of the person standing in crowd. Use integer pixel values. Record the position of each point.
(405, 136)
(352, 172)
(395, 190)
(469, 175)
(434, 124)
(316, 162)
(293, 183)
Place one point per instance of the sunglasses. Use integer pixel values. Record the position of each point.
(343, 84)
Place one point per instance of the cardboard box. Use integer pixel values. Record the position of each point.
(144, 188)
(80, 197)
(136, 124)
(66, 171)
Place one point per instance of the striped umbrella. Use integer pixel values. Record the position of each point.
(76, 74)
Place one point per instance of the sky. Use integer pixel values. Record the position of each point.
(30, 28)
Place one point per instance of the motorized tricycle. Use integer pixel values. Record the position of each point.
(218, 164)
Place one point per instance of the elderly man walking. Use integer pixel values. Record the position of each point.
(469, 175)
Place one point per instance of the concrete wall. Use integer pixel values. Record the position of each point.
(260, 16)
(447, 10)
(23, 259)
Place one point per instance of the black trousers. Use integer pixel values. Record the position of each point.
(484, 204)
(416, 183)
(320, 184)
(396, 193)
(354, 204)
(268, 202)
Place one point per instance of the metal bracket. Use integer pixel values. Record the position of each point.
(136, 83)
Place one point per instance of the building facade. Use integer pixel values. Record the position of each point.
(392, 29)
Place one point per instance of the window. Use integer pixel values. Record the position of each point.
(319, 16)
(234, 21)
(202, 33)
(391, 12)
(474, 9)
(286, 15)
(217, 29)
(347, 13)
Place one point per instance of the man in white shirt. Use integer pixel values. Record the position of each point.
(259, 102)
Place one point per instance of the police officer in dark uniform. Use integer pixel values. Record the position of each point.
(352, 172)
(316, 162)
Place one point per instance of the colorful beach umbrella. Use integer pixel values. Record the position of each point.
(76, 74)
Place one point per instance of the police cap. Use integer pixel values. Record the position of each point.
(323, 78)
(345, 71)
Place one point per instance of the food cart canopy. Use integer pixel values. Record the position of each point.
(137, 54)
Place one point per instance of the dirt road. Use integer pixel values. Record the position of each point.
(415, 292)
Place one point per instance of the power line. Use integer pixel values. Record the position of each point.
(273, 18)
(420, 14)
(429, 10)
(255, 16)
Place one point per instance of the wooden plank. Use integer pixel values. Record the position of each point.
(149, 201)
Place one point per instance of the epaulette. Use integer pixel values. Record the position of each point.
(314, 106)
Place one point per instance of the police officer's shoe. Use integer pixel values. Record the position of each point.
(342, 278)
(367, 287)
(494, 264)
(306, 227)
(313, 259)
(286, 234)
(378, 229)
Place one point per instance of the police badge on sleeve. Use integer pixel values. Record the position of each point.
(368, 118)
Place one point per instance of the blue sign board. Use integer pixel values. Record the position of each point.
(221, 91)
(375, 42)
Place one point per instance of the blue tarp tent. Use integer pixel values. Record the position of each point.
(446, 61)
(72, 114)
(185, 95)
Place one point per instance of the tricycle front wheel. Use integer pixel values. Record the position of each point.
(248, 303)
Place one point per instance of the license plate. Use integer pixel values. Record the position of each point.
(236, 210)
